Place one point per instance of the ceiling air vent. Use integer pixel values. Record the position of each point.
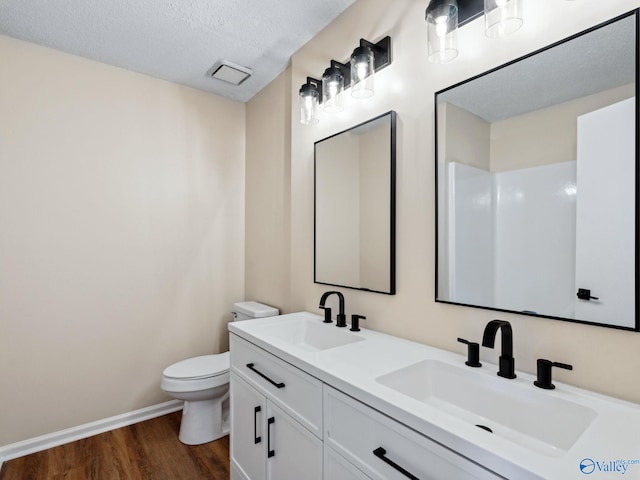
(230, 72)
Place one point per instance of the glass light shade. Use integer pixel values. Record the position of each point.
(362, 72)
(502, 17)
(332, 87)
(309, 99)
(442, 30)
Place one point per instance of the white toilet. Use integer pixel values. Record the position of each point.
(203, 383)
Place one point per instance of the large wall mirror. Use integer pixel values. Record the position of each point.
(354, 242)
(537, 176)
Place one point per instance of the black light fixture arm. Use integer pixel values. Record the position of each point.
(318, 86)
(468, 10)
(315, 82)
(345, 71)
(381, 52)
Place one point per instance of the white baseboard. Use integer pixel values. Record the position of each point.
(43, 442)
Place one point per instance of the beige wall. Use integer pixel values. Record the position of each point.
(268, 172)
(121, 238)
(605, 360)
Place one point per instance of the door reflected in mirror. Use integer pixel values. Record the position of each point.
(354, 227)
(536, 178)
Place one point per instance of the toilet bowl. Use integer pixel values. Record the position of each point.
(203, 384)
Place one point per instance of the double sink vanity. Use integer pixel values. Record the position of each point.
(313, 401)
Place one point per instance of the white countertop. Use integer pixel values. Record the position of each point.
(613, 435)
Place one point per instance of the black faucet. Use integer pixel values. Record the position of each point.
(473, 353)
(341, 318)
(327, 314)
(544, 373)
(506, 361)
(355, 322)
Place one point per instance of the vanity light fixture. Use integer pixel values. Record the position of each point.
(442, 30)
(502, 17)
(332, 88)
(366, 59)
(362, 72)
(357, 73)
(310, 99)
(444, 17)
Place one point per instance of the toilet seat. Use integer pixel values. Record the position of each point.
(198, 368)
(196, 374)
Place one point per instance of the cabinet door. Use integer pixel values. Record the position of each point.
(292, 451)
(248, 434)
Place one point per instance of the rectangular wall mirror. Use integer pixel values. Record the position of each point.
(537, 182)
(354, 217)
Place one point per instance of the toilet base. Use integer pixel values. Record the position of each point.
(204, 421)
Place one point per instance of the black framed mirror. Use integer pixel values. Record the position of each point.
(354, 207)
(537, 182)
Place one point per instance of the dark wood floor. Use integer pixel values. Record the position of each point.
(147, 450)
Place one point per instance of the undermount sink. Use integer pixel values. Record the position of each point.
(309, 334)
(506, 408)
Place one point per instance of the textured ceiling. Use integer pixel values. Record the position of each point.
(176, 40)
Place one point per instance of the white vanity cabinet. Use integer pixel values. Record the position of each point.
(370, 406)
(276, 417)
(287, 424)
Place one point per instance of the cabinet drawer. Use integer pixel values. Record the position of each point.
(294, 391)
(336, 467)
(357, 431)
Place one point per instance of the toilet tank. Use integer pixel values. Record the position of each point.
(248, 310)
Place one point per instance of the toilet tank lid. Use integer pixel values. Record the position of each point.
(199, 367)
(255, 309)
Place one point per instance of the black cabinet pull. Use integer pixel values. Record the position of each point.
(252, 367)
(270, 421)
(381, 452)
(256, 438)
